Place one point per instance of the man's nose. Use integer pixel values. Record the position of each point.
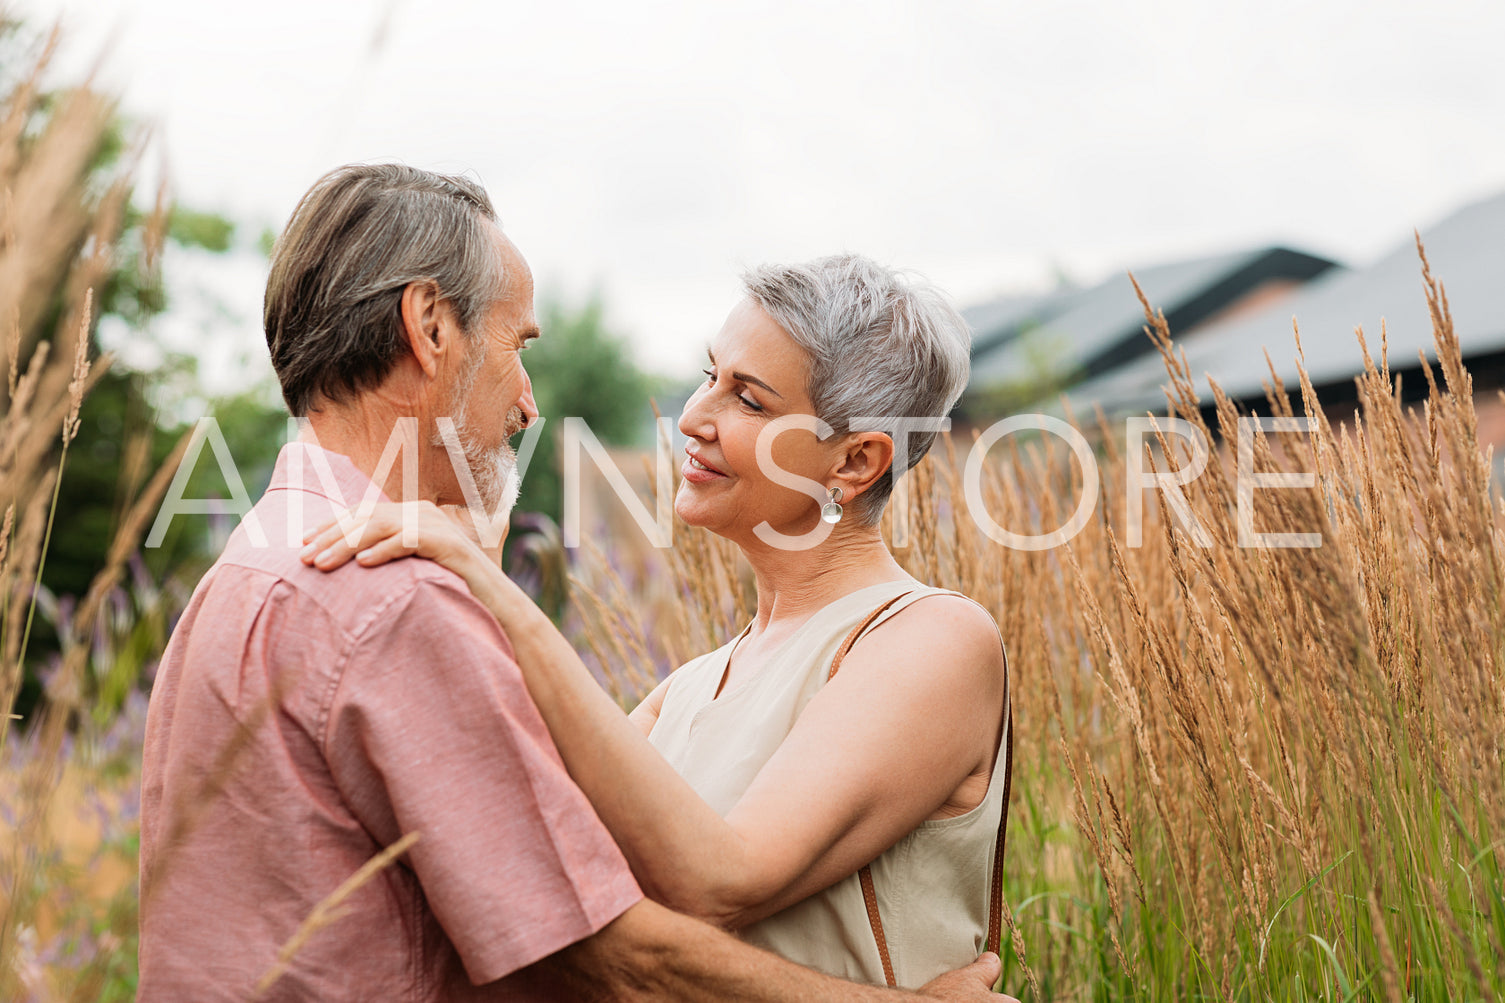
(528, 405)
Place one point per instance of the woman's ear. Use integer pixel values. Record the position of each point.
(865, 458)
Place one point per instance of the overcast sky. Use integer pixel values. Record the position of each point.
(652, 149)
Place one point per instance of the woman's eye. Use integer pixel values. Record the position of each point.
(747, 402)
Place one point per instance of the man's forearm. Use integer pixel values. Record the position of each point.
(653, 953)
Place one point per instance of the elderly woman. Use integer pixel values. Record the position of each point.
(850, 820)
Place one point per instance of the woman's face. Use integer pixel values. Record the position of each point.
(756, 375)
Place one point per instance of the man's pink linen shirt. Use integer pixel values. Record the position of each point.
(302, 721)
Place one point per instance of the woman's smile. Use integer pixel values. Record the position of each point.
(697, 471)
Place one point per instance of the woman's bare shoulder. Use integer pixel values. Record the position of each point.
(940, 622)
(952, 616)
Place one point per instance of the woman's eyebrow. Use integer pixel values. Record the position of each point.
(746, 377)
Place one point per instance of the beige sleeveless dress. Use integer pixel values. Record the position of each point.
(932, 886)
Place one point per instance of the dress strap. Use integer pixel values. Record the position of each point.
(865, 875)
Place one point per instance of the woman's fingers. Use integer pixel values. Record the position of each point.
(334, 544)
(383, 551)
(388, 532)
(332, 547)
(343, 518)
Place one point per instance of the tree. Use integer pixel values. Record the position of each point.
(581, 369)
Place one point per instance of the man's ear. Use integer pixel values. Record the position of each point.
(427, 325)
(864, 459)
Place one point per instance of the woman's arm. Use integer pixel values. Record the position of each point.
(645, 715)
(875, 752)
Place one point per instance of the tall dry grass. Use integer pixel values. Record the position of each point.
(1242, 773)
(66, 910)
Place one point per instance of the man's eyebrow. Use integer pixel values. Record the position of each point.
(530, 334)
(746, 377)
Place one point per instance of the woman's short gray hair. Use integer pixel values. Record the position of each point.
(881, 343)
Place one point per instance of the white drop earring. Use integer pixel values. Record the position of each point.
(831, 510)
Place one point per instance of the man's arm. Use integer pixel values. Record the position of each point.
(653, 953)
(431, 730)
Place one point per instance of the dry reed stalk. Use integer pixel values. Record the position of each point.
(77, 386)
(19, 104)
(78, 378)
(1389, 970)
(1470, 956)
(1219, 727)
(64, 693)
(33, 446)
(5, 530)
(124, 543)
(136, 456)
(18, 420)
(60, 219)
(1088, 826)
(613, 621)
(329, 910)
(28, 555)
(1018, 943)
(1125, 844)
(12, 345)
(53, 207)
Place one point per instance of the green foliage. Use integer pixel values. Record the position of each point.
(208, 230)
(581, 369)
(254, 425)
(1048, 370)
(1317, 942)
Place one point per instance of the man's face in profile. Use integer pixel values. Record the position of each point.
(493, 396)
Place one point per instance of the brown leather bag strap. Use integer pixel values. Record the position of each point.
(865, 875)
(870, 899)
(857, 632)
(995, 901)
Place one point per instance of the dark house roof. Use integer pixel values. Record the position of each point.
(1099, 328)
(1467, 254)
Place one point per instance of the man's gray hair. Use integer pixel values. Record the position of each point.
(363, 234)
(881, 343)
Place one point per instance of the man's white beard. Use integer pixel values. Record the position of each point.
(493, 469)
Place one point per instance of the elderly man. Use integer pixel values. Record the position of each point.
(302, 722)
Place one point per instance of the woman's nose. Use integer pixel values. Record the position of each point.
(695, 419)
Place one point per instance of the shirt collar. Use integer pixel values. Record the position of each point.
(304, 466)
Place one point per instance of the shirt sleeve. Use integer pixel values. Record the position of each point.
(431, 730)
